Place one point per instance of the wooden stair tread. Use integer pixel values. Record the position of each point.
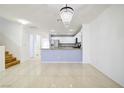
(17, 61)
(12, 63)
(8, 56)
(10, 60)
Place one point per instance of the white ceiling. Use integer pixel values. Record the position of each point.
(45, 16)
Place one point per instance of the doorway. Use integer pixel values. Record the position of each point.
(35, 45)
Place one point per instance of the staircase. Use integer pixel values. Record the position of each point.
(10, 60)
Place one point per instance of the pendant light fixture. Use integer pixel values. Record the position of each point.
(66, 14)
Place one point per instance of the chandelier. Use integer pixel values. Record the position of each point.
(66, 14)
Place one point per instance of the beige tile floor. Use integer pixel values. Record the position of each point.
(34, 74)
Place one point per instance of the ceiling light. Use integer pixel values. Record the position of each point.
(23, 21)
(66, 14)
(71, 30)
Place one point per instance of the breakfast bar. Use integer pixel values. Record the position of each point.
(61, 55)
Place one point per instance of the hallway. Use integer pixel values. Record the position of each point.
(36, 74)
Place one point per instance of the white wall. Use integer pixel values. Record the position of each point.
(27, 31)
(85, 43)
(11, 36)
(2, 58)
(1, 42)
(106, 45)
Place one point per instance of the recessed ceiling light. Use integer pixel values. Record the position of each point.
(71, 30)
(23, 21)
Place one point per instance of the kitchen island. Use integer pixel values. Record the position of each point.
(61, 55)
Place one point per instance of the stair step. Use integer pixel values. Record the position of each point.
(7, 52)
(11, 63)
(10, 60)
(9, 56)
